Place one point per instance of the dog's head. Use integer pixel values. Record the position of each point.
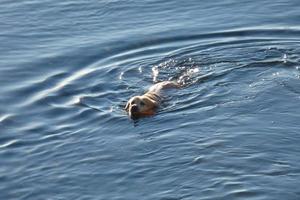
(139, 106)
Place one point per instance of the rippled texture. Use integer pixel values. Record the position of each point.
(67, 68)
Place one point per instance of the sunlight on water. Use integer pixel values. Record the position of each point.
(121, 75)
(68, 69)
(284, 58)
(7, 144)
(155, 73)
(4, 117)
(140, 69)
(60, 85)
(188, 75)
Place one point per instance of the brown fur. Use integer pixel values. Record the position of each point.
(146, 105)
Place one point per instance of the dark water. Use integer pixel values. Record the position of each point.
(68, 67)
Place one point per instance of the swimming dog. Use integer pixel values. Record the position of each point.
(146, 104)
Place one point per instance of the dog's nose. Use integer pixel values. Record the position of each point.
(134, 108)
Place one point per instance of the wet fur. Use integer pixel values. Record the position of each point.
(146, 104)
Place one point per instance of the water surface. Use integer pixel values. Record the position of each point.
(68, 68)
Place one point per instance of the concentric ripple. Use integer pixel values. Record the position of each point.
(217, 136)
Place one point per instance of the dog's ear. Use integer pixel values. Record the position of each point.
(127, 106)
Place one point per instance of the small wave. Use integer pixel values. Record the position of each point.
(183, 71)
(8, 143)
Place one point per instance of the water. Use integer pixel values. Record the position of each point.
(67, 69)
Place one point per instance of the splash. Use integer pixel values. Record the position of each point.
(284, 58)
(182, 71)
(155, 73)
(187, 76)
(121, 75)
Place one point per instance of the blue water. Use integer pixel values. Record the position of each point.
(67, 69)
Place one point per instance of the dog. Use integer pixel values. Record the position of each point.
(147, 104)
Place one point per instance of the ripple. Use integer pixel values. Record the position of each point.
(59, 85)
(8, 143)
(72, 122)
(4, 117)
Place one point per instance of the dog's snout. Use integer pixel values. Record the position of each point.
(134, 108)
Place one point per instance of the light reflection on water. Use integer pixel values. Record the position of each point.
(67, 70)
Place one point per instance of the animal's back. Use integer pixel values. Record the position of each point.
(158, 87)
